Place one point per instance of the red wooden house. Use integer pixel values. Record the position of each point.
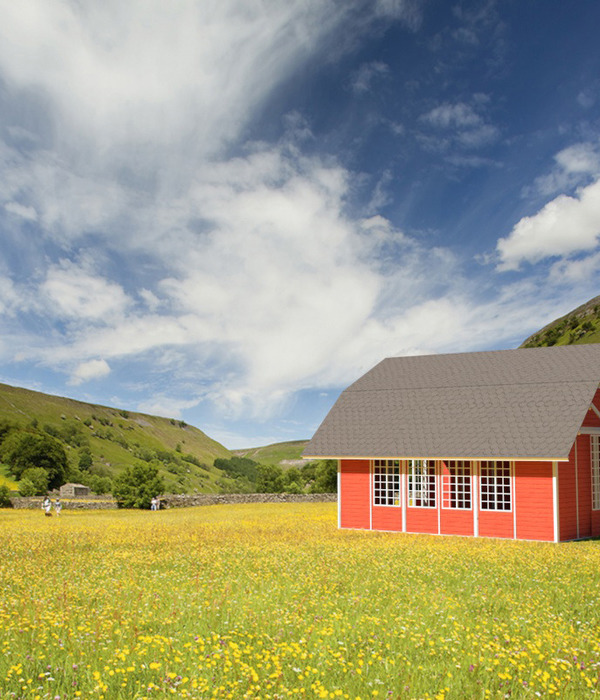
(488, 444)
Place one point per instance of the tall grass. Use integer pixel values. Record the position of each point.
(272, 601)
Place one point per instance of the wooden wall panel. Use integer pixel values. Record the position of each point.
(534, 500)
(567, 499)
(387, 518)
(355, 494)
(494, 523)
(422, 520)
(454, 521)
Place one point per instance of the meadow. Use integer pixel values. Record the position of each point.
(272, 601)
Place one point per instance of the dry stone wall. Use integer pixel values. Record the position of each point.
(184, 501)
(90, 503)
(209, 499)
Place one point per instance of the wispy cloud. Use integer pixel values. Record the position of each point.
(461, 124)
(367, 73)
(574, 166)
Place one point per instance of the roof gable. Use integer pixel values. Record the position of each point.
(507, 404)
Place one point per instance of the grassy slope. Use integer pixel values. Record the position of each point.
(275, 454)
(114, 436)
(582, 325)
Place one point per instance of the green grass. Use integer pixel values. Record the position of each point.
(6, 479)
(275, 454)
(272, 601)
(579, 327)
(115, 436)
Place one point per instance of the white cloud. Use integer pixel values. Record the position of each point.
(363, 79)
(144, 70)
(460, 123)
(75, 292)
(93, 369)
(580, 158)
(28, 213)
(409, 11)
(564, 226)
(575, 165)
(576, 272)
(448, 115)
(8, 295)
(165, 406)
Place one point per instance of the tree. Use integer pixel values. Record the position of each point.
(99, 484)
(5, 428)
(325, 477)
(270, 479)
(23, 451)
(5, 501)
(85, 459)
(34, 482)
(293, 481)
(137, 485)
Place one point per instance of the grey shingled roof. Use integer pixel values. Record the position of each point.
(507, 404)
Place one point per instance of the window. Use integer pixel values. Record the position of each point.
(595, 458)
(421, 483)
(386, 482)
(456, 484)
(495, 486)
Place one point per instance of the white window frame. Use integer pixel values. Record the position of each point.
(495, 487)
(457, 485)
(595, 465)
(422, 483)
(386, 483)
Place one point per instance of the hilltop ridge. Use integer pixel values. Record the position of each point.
(115, 438)
(582, 325)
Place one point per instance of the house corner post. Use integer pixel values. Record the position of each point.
(339, 493)
(555, 501)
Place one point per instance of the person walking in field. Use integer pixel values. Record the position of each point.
(154, 503)
(57, 506)
(47, 506)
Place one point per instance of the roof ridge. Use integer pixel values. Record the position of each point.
(464, 386)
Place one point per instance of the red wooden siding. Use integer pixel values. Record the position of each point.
(422, 520)
(387, 518)
(534, 500)
(355, 490)
(584, 479)
(589, 520)
(567, 498)
(454, 521)
(495, 523)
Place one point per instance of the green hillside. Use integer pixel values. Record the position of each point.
(117, 438)
(280, 453)
(582, 325)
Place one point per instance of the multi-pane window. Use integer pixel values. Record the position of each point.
(495, 486)
(421, 483)
(386, 482)
(456, 484)
(595, 456)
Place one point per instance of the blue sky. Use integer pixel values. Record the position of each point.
(227, 211)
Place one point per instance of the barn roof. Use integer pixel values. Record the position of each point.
(507, 404)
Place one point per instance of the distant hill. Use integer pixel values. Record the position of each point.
(283, 454)
(116, 438)
(582, 325)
